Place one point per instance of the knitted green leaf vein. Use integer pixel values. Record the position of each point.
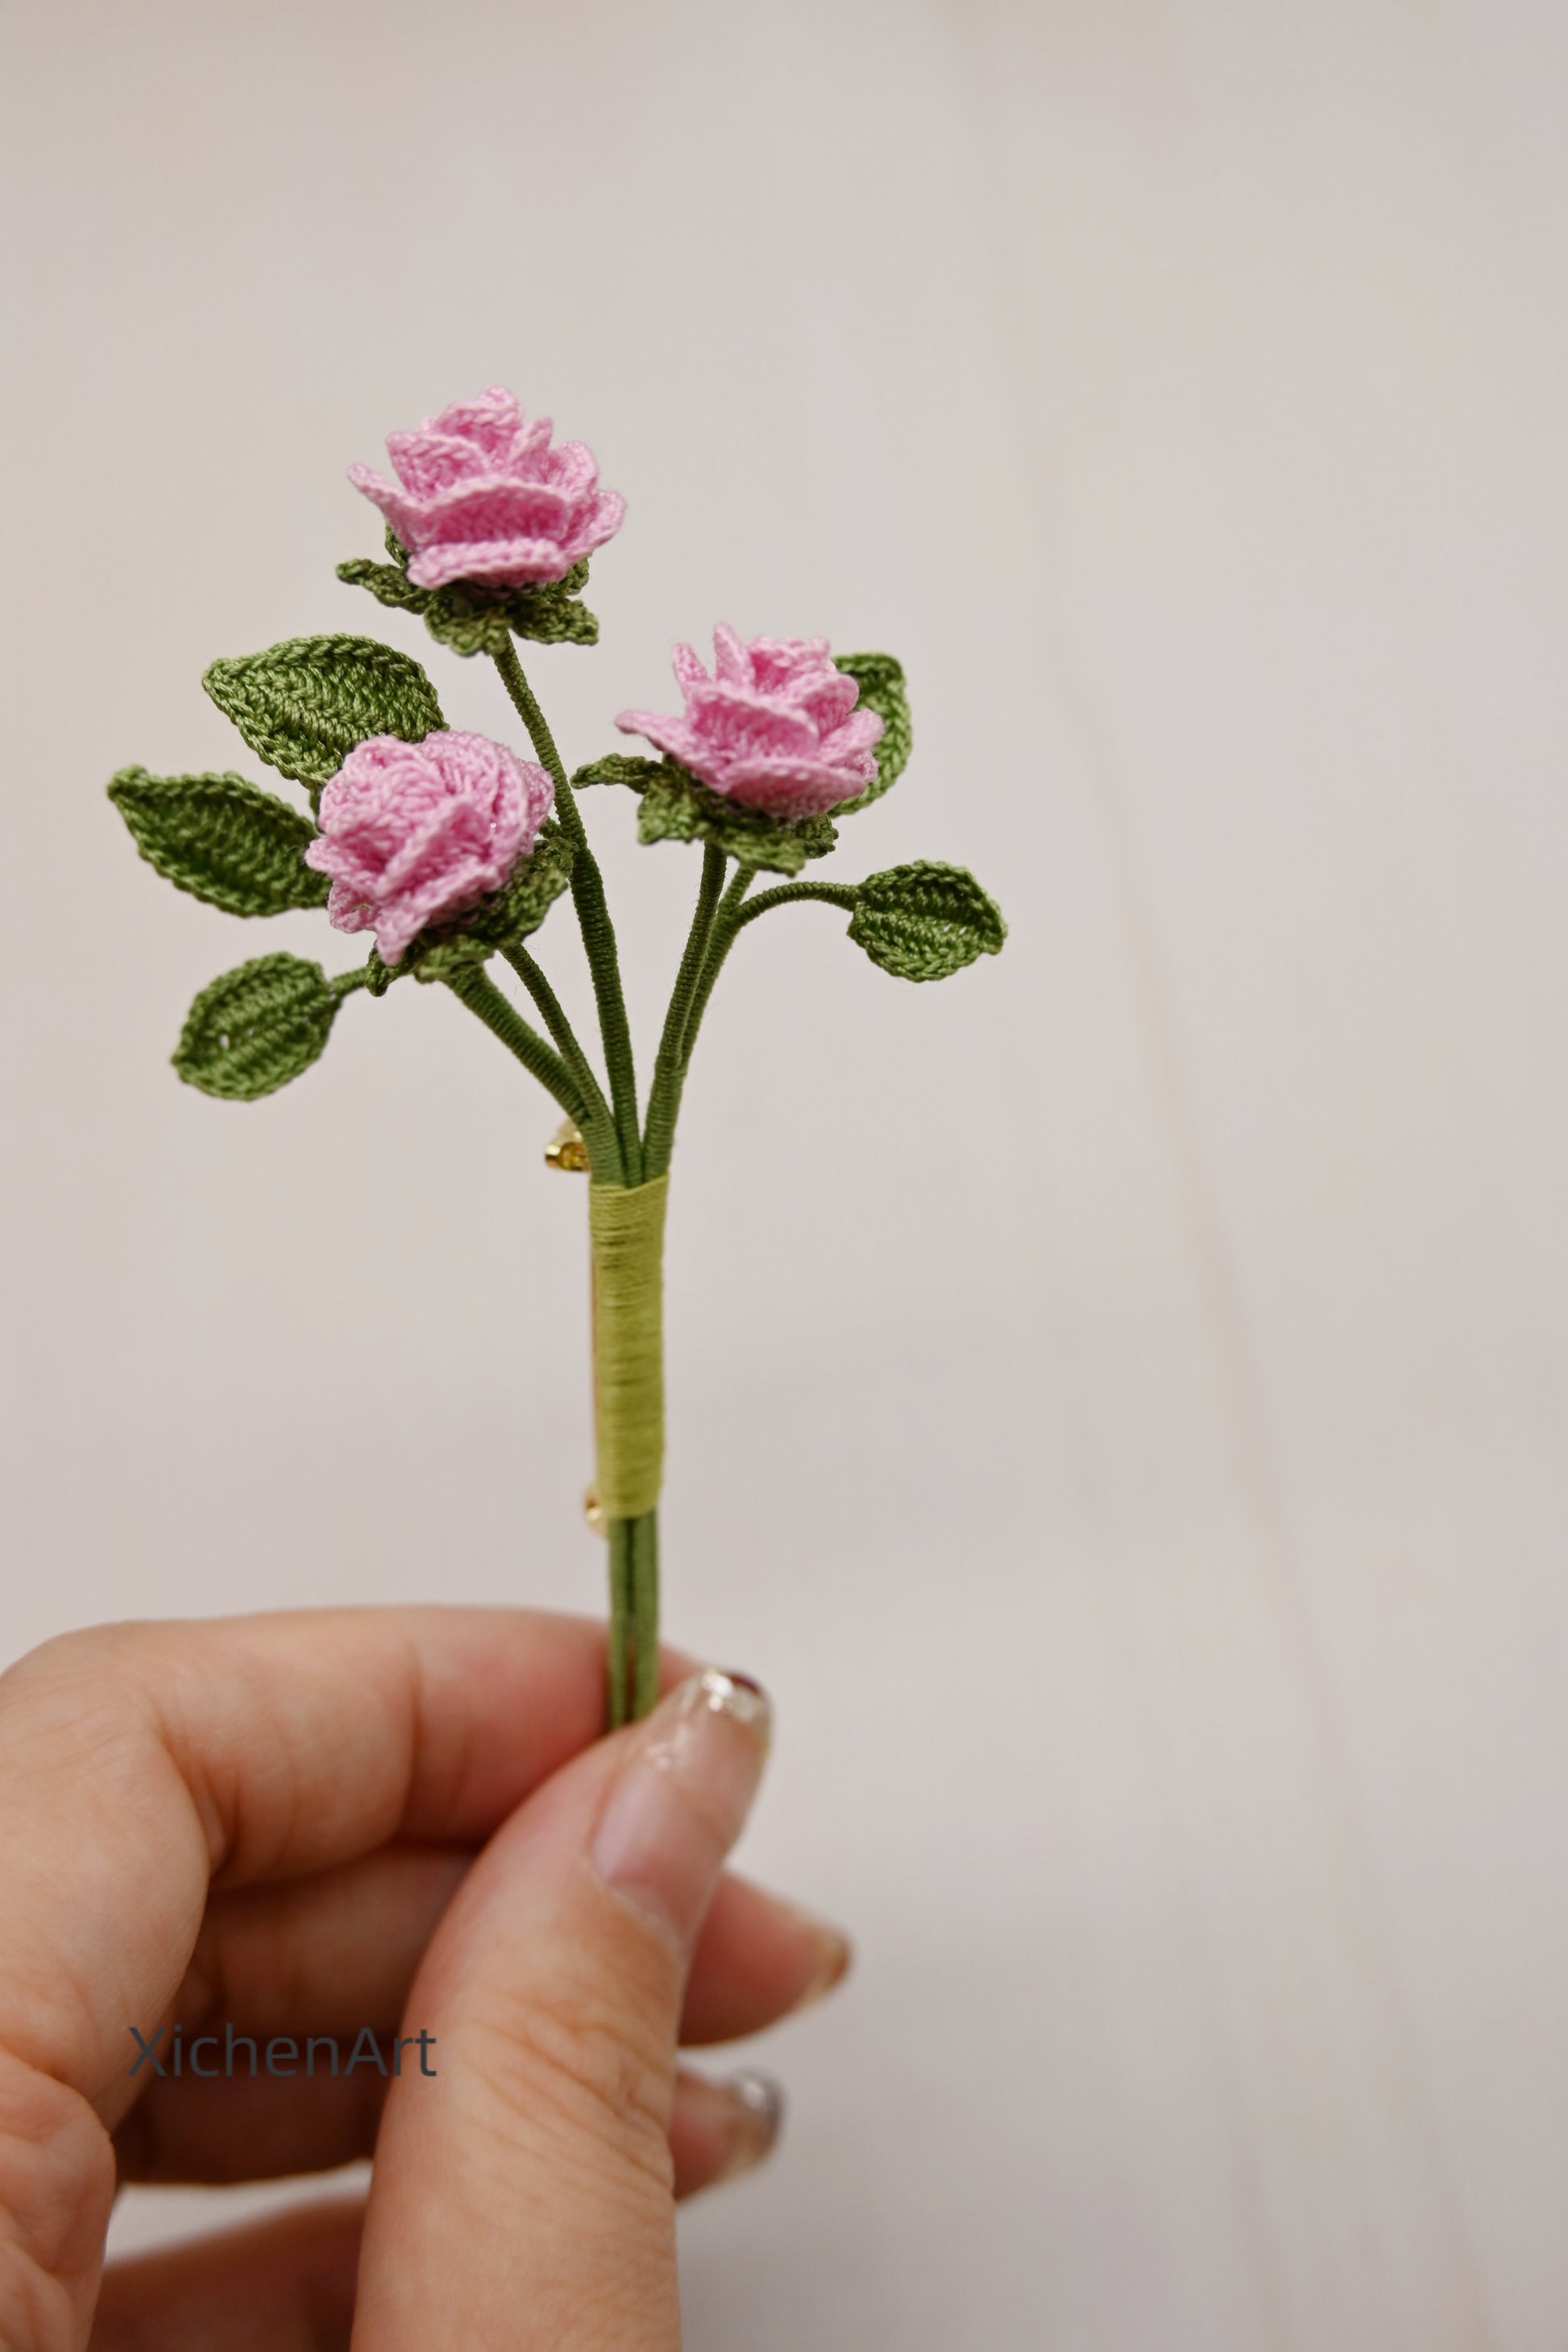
(221, 839)
(677, 806)
(304, 704)
(251, 1032)
(925, 921)
(470, 618)
(882, 689)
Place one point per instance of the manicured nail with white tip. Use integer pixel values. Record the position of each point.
(682, 1797)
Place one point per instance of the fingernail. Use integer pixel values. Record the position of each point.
(745, 2113)
(682, 1797)
(833, 1953)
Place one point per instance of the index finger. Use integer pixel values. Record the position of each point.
(141, 1762)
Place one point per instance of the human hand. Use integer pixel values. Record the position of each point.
(303, 1824)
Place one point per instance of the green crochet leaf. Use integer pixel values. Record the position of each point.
(514, 913)
(925, 921)
(304, 704)
(620, 768)
(251, 1032)
(885, 692)
(387, 584)
(221, 839)
(470, 618)
(677, 806)
(882, 689)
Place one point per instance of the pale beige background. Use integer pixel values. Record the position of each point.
(1117, 1398)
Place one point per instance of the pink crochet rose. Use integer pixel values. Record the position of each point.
(484, 496)
(775, 728)
(414, 832)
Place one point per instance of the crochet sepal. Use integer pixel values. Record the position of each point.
(304, 705)
(251, 1031)
(473, 619)
(882, 689)
(223, 840)
(515, 912)
(925, 921)
(677, 806)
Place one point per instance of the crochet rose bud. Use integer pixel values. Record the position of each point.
(414, 833)
(775, 728)
(484, 496)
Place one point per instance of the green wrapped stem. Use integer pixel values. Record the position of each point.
(625, 1239)
(625, 1242)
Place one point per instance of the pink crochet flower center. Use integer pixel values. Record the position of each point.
(775, 727)
(481, 495)
(414, 832)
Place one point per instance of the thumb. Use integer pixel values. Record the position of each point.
(522, 2190)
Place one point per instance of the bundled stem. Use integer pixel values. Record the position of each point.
(634, 1618)
(629, 1165)
(482, 995)
(592, 919)
(598, 1127)
(620, 1532)
(664, 1097)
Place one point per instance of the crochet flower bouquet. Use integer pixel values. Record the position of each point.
(452, 850)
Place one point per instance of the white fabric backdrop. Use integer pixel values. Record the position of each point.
(1118, 1396)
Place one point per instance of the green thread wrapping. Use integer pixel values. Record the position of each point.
(625, 1242)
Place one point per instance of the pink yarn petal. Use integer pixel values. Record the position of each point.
(730, 717)
(413, 833)
(485, 497)
(672, 735)
(732, 662)
(571, 468)
(859, 732)
(498, 562)
(597, 523)
(349, 909)
(533, 441)
(492, 422)
(429, 462)
(448, 842)
(828, 699)
(780, 663)
(788, 787)
(491, 507)
(401, 509)
(775, 728)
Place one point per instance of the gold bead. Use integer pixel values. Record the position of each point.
(592, 1511)
(566, 1149)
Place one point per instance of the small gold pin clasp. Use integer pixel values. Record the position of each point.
(566, 1149)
